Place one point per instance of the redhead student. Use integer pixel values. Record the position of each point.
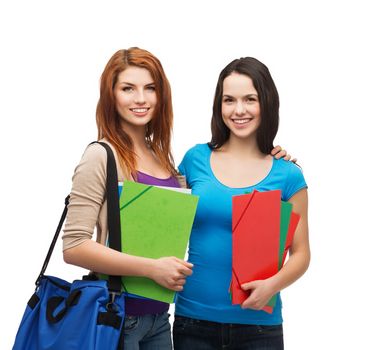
(237, 160)
(134, 116)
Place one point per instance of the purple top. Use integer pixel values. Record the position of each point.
(144, 306)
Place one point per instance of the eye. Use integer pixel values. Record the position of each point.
(127, 88)
(252, 99)
(150, 88)
(228, 100)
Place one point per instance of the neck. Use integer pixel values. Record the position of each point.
(242, 148)
(137, 135)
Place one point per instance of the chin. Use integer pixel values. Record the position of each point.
(243, 134)
(140, 121)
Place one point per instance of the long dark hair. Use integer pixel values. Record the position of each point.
(268, 100)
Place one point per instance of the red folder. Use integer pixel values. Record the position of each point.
(256, 230)
(240, 205)
(256, 236)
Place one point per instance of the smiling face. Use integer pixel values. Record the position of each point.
(240, 106)
(135, 97)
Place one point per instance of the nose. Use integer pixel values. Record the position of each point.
(240, 108)
(140, 97)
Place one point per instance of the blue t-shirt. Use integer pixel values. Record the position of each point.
(206, 292)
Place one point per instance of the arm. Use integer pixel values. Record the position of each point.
(170, 272)
(87, 204)
(297, 264)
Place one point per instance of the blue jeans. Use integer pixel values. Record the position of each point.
(148, 332)
(195, 334)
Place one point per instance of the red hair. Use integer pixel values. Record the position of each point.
(158, 130)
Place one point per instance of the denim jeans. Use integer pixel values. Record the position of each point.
(195, 334)
(148, 332)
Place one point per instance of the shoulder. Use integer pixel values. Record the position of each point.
(95, 153)
(199, 149)
(291, 176)
(193, 158)
(288, 167)
(93, 163)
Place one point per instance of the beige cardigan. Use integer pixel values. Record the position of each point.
(87, 208)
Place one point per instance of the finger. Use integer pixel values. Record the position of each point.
(185, 271)
(287, 157)
(251, 303)
(294, 160)
(177, 288)
(280, 154)
(248, 286)
(245, 305)
(179, 277)
(185, 263)
(276, 150)
(180, 281)
(248, 304)
(174, 285)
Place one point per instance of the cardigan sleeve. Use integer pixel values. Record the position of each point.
(87, 197)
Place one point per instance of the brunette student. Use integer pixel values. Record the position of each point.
(237, 160)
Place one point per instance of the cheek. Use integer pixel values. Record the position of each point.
(122, 105)
(256, 112)
(153, 99)
(226, 111)
(258, 118)
(124, 99)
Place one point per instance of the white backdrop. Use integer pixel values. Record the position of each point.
(52, 55)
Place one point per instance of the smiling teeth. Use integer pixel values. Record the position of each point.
(241, 121)
(139, 110)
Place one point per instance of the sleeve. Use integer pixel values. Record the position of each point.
(182, 168)
(295, 181)
(185, 165)
(86, 197)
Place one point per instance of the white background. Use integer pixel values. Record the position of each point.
(52, 55)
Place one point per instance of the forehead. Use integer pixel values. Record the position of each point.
(135, 75)
(238, 84)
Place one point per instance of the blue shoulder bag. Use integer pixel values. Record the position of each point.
(86, 314)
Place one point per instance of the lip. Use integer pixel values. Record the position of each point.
(140, 111)
(243, 124)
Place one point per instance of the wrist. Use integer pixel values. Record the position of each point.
(151, 267)
(274, 284)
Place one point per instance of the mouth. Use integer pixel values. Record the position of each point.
(140, 112)
(241, 121)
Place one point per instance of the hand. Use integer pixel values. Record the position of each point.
(171, 272)
(278, 153)
(260, 292)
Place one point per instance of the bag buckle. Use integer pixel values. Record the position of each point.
(112, 306)
(113, 296)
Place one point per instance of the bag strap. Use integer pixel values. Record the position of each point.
(114, 225)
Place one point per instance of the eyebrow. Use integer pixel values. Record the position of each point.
(248, 95)
(130, 84)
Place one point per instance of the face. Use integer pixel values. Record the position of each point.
(135, 96)
(240, 106)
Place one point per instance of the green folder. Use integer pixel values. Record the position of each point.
(286, 209)
(155, 222)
